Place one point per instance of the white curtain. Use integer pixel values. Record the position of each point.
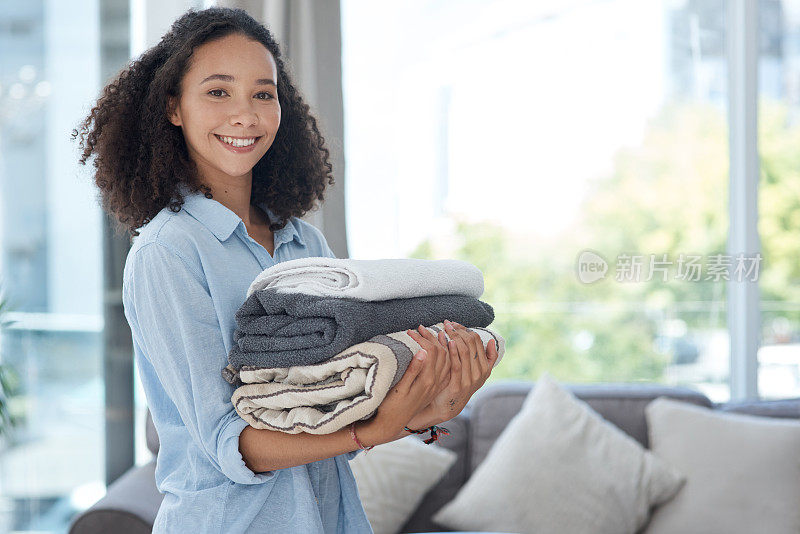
(309, 33)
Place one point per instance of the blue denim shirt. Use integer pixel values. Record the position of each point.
(185, 276)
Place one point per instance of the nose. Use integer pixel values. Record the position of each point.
(243, 115)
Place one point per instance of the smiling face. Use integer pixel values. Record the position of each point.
(228, 92)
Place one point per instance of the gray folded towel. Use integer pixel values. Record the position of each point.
(286, 329)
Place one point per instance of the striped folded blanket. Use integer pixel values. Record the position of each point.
(277, 329)
(326, 396)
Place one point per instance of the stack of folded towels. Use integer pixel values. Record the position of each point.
(319, 342)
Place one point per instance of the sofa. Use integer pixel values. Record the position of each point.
(131, 502)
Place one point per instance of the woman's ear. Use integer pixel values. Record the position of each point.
(173, 111)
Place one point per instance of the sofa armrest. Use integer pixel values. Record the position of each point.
(129, 506)
(779, 408)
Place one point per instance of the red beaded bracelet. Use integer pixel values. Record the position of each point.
(433, 430)
(353, 435)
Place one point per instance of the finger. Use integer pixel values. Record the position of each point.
(491, 352)
(442, 339)
(458, 331)
(476, 350)
(475, 353)
(422, 332)
(483, 361)
(458, 345)
(466, 337)
(447, 369)
(436, 350)
(475, 342)
(455, 363)
(430, 348)
(453, 325)
(425, 339)
(423, 342)
(491, 357)
(458, 352)
(425, 381)
(412, 371)
(426, 333)
(482, 358)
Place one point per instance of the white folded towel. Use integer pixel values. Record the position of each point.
(371, 279)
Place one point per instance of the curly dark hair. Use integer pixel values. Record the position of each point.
(141, 158)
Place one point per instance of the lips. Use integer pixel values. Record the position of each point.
(220, 137)
(237, 149)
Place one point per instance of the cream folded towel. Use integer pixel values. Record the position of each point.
(324, 397)
(372, 279)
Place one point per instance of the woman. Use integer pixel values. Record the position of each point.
(208, 155)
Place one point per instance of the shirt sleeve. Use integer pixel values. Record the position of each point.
(175, 322)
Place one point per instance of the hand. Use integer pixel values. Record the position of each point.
(471, 366)
(421, 382)
(425, 338)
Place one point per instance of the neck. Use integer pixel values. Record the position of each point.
(236, 197)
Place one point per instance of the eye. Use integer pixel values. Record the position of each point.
(268, 97)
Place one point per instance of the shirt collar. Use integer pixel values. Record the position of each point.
(222, 221)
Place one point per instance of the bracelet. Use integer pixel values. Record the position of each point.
(433, 430)
(353, 435)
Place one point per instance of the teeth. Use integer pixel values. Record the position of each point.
(238, 142)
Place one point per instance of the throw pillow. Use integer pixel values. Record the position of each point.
(743, 470)
(393, 477)
(560, 467)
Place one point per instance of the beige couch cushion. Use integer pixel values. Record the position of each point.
(743, 471)
(560, 467)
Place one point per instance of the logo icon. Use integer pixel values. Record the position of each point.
(591, 266)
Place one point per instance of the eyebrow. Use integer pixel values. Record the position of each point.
(229, 78)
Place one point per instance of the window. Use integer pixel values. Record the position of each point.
(52, 276)
(779, 197)
(545, 142)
